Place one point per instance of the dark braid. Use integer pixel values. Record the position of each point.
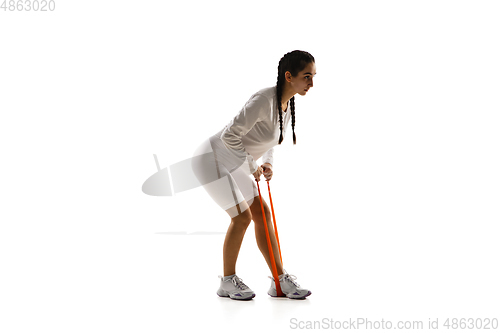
(279, 92)
(292, 62)
(292, 106)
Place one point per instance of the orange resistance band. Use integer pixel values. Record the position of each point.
(274, 220)
(273, 263)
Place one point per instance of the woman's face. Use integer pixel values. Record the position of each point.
(304, 80)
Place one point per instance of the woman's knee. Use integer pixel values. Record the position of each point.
(256, 211)
(243, 218)
(240, 214)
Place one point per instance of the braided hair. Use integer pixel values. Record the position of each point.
(293, 62)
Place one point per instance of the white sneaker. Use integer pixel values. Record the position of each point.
(288, 286)
(234, 288)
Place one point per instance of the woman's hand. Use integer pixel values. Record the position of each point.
(258, 173)
(268, 171)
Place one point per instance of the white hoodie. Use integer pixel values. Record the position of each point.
(255, 130)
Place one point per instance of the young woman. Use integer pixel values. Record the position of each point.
(225, 165)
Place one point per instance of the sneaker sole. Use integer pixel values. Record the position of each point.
(238, 299)
(304, 297)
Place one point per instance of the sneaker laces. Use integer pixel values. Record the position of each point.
(292, 279)
(239, 283)
(287, 277)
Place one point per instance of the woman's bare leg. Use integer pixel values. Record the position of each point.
(260, 234)
(234, 236)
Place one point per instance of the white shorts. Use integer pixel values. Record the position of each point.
(228, 181)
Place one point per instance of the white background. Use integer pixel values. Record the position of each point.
(387, 207)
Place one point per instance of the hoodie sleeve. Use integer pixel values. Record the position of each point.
(268, 157)
(256, 109)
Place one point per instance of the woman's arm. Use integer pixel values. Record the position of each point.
(255, 110)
